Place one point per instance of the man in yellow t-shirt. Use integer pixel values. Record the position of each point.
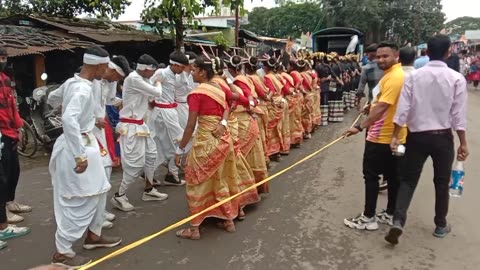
(377, 157)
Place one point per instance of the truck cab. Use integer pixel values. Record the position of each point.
(336, 39)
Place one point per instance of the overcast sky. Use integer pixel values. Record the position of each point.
(452, 8)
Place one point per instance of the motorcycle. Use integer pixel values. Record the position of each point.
(46, 122)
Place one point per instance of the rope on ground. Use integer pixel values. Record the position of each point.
(190, 218)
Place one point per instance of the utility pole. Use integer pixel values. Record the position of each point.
(237, 21)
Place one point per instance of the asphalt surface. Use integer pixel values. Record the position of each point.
(299, 225)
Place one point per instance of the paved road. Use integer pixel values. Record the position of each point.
(299, 225)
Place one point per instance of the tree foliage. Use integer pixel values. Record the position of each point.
(286, 20)
(400, 20)
(460, 25)
(413, 20)
(65, 8)
(177, 14)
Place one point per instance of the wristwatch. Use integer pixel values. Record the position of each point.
(224, 123)
(358, 127)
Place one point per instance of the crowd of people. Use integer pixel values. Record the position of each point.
(219, 119)
(222, 120)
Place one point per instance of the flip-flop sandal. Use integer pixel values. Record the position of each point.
(188, 233)
(229, 228)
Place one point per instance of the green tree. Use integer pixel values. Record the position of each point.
(176, 15)
(400, 20)
(65, 8)
(460, 25)
(287, 20)
(172, 14)
(8, 7)
(413, 20)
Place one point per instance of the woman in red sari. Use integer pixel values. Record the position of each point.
(317, 115)
(308, 98)
(263, 97)
(251, 144)
(244, 176)
(206, 169)
(294, 112)
(296, 127)
(275, 110)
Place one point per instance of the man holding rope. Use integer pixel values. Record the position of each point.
(378, 158)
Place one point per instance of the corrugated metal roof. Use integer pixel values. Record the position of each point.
(103, 33)
(199, 41)
(22, 40)
(14, 52)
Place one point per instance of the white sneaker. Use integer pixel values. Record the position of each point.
(107, 225)
(18, 208)
(109, 216)
(385, 218)
(122, 203)
(13, 231)
(362, 223)
(13, 218)
(154, 195)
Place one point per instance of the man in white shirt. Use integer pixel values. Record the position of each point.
(164, 121)
(184, 86)
(80, 185)
(104, 91)
(137, 146)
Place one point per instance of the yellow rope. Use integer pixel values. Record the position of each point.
(190, 218)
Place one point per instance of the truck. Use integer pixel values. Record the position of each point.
(337, 39)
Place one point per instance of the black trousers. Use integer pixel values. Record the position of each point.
(378, 159)
(324, 98)
(11, 167)
(419, 147)
(3, 195)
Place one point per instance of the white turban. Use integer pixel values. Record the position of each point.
(145, 67)
(175, 63)
(94, 60)
(119, 70)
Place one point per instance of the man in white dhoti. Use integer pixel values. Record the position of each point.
(80, 185)
(138, 149)
(164, 122)
(185, 85)
(104, 91)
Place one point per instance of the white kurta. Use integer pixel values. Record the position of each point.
(77, 197)
(136, 144)
(184, 86)
(104, 93)
(164, 122)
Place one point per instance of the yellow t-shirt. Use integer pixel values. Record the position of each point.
(390, 87)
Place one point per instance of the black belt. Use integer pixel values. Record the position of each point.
(434, 132)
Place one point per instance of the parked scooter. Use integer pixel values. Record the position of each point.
(46, 122)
